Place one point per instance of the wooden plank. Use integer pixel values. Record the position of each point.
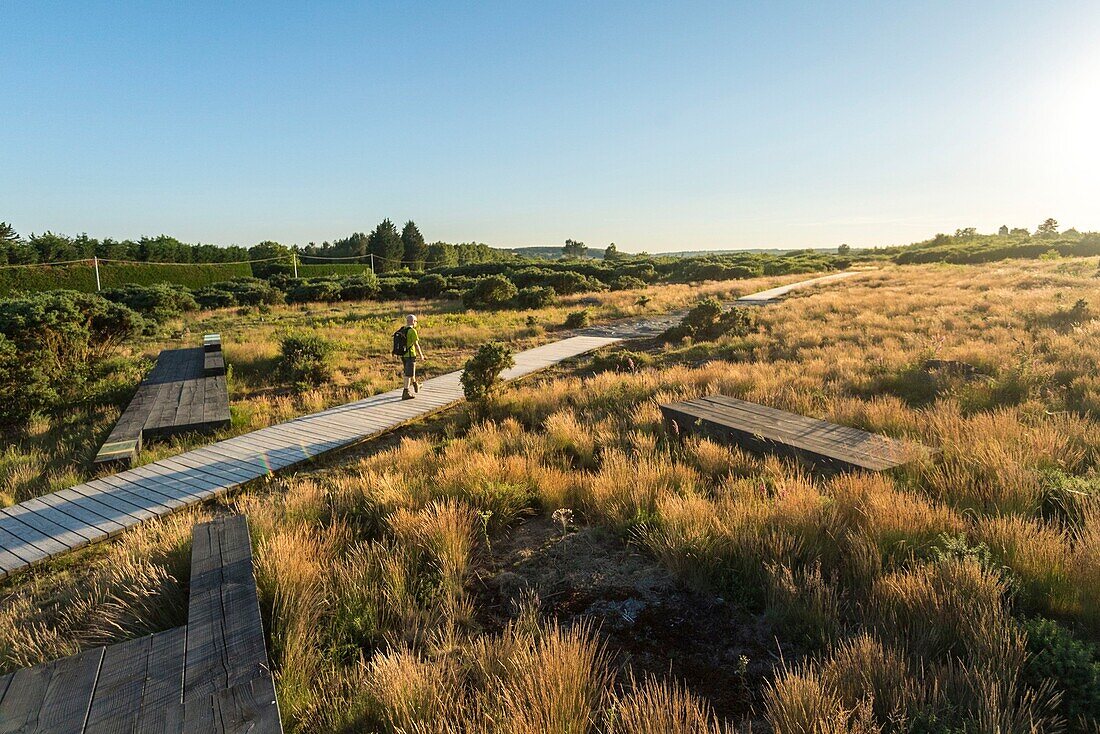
(146, 492)
(163, 688)
(225, 641)
(83, 509)
(117, 498)
(29, 538)
(22, 702)
(56, 516)
(248, 708)
(69, 693)
(116, 704)
(768, 428)
(46, 525)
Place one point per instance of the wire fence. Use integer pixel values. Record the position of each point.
(98, 273)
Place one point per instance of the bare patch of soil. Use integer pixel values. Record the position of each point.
(652, 623)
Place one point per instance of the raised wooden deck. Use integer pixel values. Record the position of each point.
(211, 675)
(186, 391)
(760, 428)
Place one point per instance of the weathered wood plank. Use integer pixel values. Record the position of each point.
(116, 703)
(247, 708)
(163, 688)
(69, 693)
(765, 428)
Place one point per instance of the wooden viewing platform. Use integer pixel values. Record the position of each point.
(211, 675)
(186, 391)
(760, 428)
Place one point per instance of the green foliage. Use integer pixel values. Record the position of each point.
(573, 248)
(621, 361)
(304, 360)
(51, 341)
(214, 298)
(278, 257)
(158, 302)
(81, 277)
(706, 321)
(252, 291)
(535, 297)
(393, 287)
(577, 319)
(1073, 664)
(312, 290)
(493, 291)
(386, 246)
(359, 287)
(431, 285)
(626, 283)
(481, 374)
(311, 270)
(415, 249)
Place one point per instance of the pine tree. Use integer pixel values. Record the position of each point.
(416, 250)
(386, 246)
(574, 248)
(1048, 228)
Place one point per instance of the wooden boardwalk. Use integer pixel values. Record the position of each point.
(761, 428)
(56, 523)
(774, 294)
(185, 391)
(211, 675)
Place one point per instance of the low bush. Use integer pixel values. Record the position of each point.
(51, 343)
(707, 321)
(393, 288)
(359, 287)
(312, 290)
(159, 302)
(1073, 665)
(213, 297)
(252, 292)
(626, 283)
(535, 297)
(304, 360)
(577, 319)
(492, 291)
(431, 286)
(481, 374)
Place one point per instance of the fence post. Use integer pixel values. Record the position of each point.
(372, 262)
(95, 260)
(294, 259)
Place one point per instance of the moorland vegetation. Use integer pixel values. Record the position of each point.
(559, 562)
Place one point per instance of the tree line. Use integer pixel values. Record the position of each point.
(392, 250)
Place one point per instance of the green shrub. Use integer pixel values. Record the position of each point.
(569, 282)
(706, 321)
(481, 374)
(577, 319)
(253, 291)
(1074, 666)
(305, 360)
(431, 285)
(51, 342)
(343, 270)
(158, 302)
(359, 287)
(626, 283)
(621, 361)
(397, 287)
(492, 291)
(319, 289)
(214, 297)
(535, 297)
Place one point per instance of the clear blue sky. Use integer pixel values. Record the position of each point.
(657, 126)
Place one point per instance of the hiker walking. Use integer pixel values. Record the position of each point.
(406, 345)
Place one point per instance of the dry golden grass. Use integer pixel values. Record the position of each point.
(897, 595)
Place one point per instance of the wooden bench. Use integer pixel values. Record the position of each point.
(211, 675)
(760, 428)
(186, 391)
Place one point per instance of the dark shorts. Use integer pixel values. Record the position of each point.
(410, 366)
